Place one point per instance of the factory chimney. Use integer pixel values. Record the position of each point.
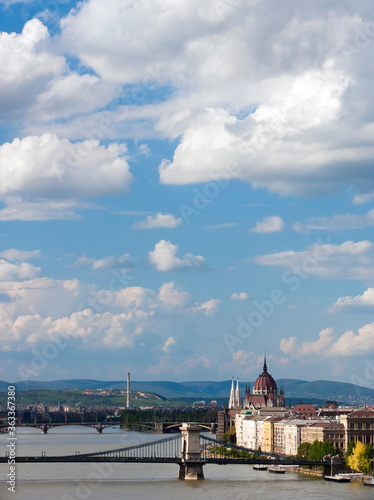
(128, 390)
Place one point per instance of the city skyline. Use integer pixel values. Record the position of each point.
(184, 186)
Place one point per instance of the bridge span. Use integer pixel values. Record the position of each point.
(44, 427)
(190, 451)
(156, 427)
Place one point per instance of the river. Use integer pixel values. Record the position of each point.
(84, 481)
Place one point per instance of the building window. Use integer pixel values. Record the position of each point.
(367, 426)
(351, 425)
(359, 425)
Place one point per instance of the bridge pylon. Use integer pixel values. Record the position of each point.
(191, 466)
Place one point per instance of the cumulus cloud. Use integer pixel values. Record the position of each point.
(272, 224)
(209, 307)
(240, 296)
(327, 345)
(59, 172)
(170, 296)
(39, 84)
(164, 258)
(364, 302)
(157, 221)
(295, 350)
(19, 255)
(350, 260)
(19, 271)
(44, 309)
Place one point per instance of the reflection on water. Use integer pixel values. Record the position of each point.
(146, 481)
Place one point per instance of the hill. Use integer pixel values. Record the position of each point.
(295, 390)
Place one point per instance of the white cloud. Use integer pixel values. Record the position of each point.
(42, 309)
(209, 307)
(164, 258)
(350, 343)
(19, 209)
(272, 224)
(20, 271)
(157, 221)
(337, 222)
(168, 343)
(108, 262)
(38, 84)
(240, 296)
(19, 255)
(59, 172)
(359, 303)
(327, 346)
(195, 362)
(350, 260)
(294, 350)
(171, 297)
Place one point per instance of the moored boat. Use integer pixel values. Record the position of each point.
(276, 470)
(260, 467)
(339, 478)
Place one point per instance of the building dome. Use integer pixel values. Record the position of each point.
(265, 384)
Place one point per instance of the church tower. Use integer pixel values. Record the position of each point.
(232, 396)
(238, 401)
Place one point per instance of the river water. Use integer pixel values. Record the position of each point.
(56, 481)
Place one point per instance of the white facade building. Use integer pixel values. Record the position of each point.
(292, 435)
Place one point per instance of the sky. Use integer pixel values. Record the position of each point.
(186, 185)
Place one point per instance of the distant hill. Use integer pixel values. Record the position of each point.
(295, 390)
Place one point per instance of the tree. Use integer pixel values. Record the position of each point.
(303, 450)
(361, 458)
(320, 449)
(350, 447)
(230, 435)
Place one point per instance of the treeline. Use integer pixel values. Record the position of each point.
(71, 397)
(359, 456)
(317, 450)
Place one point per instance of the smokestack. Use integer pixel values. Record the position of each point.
(128, 390)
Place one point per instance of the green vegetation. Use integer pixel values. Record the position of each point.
(361, 458)
(317, 450)
(232, 452)
(230, 435)
(303, 451)
(82, 397)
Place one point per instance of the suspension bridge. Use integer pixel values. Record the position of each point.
(190, 450)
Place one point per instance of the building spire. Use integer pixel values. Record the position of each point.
(265, 369)
(232, 395)
(238, 402)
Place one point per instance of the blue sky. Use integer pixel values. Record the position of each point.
(184, 186)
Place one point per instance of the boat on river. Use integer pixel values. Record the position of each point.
(276, 470)
(339, 478)
(260, 467)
